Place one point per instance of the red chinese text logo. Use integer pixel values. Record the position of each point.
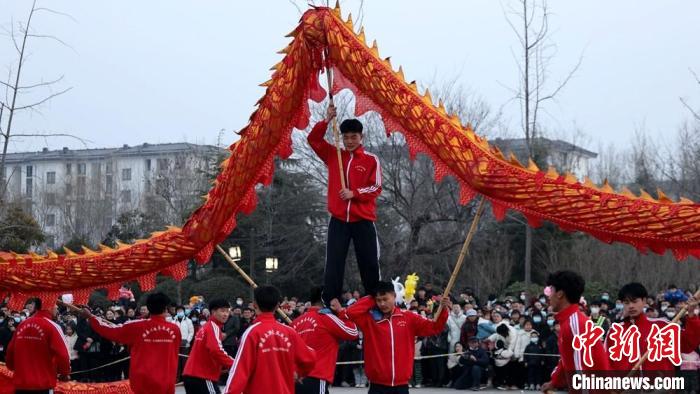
(585, 341)
(664, 342)
(625, 342)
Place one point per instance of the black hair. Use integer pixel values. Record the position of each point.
(632, 291)
(315, 294)
(351, 126)
(503, 330)
(384, 288)
(36, 301)
(672, 286)
(267, 298)
(218, 304)
(156, 303)
(571, 283)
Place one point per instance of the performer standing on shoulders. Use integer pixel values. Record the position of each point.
(322, 332)
(154, 344)
(270, 353)
(208, 356)
(37, 352)
(565, 290)
(390, 337)
(353, 208)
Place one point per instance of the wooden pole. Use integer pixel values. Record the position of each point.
(334, 123)
(676, 319)
(248, 279)
(463, 253)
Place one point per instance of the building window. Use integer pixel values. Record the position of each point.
(30, 187)
(50, 199)
(126, 174)
(148, 164)
(81, 187)
(30, 171)
(81, 169)
(108, 185)
(108, 168)
(50, 241)
(126, 196)
(69, 168)
(163, 164)
(51, 178)
(69, 189)
(50, 220)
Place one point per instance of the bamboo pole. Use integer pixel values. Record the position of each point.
(676, 319)
(462, 253)
(248, 279)
(334, 123)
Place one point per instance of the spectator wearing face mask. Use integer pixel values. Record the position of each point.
(454, 325)
(534, 362)
(187, 332)
(71, 337)
(598, 318)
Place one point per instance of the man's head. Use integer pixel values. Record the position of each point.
(315, 295)
(473, 343)
(385, 297)
(143, 311)
(130, 313)
(247, 313)
(633, 296)
(567, 287)
(352, 134)
(220, 309)
(267, 298)
(157, 303)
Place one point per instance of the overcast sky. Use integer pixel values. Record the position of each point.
(169, 71)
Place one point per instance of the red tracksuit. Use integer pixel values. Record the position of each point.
(154, 344)
(389, 344)
(573, 322)
(267, 358)
(37, 352)
(322, 333)
(690, 339)
(207, 356)
(363, 175)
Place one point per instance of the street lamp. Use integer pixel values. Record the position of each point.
(270, 266)
(235, 253)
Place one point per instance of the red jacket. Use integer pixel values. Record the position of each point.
(37, 352)
(267, 358)
(322, 333)
(363, 175)
(690, 339)
(207, 356)
(389, 344)
(154, 344)
(573, 322)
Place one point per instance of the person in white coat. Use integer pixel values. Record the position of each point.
(454, 325)
(187, 332)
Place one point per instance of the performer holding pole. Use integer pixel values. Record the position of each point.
(37, 352)
(154, 344)
(352, 194)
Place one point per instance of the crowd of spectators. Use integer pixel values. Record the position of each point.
(508, 342)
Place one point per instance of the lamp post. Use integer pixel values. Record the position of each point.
(270, 266)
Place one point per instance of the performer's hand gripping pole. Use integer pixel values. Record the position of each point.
(248, 279)
(463, 253)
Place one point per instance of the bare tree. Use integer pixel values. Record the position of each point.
(10, 105)
(695, 113)
(530, 23)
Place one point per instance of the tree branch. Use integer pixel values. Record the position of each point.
(44, 100)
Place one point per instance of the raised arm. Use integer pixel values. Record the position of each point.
(121, 333)
(316, 139)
